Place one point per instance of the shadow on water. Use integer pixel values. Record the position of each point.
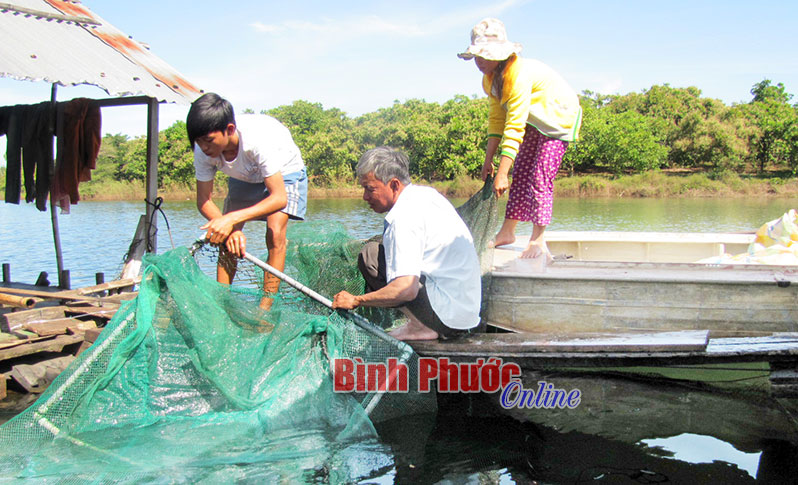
(622, 432)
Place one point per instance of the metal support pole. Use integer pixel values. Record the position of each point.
(56, 129)
(152, 173)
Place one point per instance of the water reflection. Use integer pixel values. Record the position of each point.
(627, 431)
(622, 432)
(96, 235)
(692, 448)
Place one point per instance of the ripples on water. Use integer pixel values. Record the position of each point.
(96, 235)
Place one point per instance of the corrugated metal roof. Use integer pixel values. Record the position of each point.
(62, 41)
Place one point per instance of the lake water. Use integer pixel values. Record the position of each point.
(95, 236)
(623, 431)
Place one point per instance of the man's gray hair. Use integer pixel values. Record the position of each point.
(386, 163)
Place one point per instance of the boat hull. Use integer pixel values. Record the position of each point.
(574, 296)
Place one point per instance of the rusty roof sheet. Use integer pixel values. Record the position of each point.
(62, 41)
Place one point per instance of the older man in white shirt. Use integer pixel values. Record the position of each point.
(426, 264)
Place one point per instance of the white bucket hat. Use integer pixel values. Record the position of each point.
(489, 41)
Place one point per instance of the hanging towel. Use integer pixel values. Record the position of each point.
(77, 149)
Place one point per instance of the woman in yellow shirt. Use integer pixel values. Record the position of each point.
(534, 113)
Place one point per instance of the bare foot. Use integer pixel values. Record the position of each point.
(501, 239)
(410, 331)
(535, 250)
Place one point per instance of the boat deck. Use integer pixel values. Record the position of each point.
(654, 247)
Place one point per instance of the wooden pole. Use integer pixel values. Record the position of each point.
(56, 129)
(135, 251)
(63, 280)
(152, 173)
(6, 273)
(18, 301)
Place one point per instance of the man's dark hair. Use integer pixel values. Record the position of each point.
(208, 113)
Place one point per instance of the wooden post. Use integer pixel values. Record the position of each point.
(58, 129)
(63, 279)
(6, 273)
(99, 278)
(152, 173)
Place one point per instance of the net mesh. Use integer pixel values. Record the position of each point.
(193, 381)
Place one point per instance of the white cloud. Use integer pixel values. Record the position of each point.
(260, 27)
(360, 25)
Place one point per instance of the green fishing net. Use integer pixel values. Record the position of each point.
(192, 382)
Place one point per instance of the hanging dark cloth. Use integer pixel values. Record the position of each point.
(37, 152)
(12, 130)
(77, 149)
(29, 151)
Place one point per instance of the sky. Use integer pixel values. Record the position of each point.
(360, 56)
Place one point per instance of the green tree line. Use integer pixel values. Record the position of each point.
(661, 127)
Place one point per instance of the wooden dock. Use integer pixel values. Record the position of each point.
(39, 340)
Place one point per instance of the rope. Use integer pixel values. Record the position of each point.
(157, 208)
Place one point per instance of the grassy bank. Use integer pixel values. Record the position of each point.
(651, 184)
(677, 184)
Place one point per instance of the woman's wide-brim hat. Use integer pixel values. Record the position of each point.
(489, 41)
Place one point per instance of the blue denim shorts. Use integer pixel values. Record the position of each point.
(241, 195)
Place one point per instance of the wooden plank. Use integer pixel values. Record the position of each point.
(51, 295)
(92, 334)
(83, 347)
(505, 343)
(36, 377)
(3, 386)
(118, 297)
(60, 326)
(77, 294)
(7, 337)
(82, 327)
(55, 344)
(105, 312)
(109, 286)
(14, 321)
(14, 340)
